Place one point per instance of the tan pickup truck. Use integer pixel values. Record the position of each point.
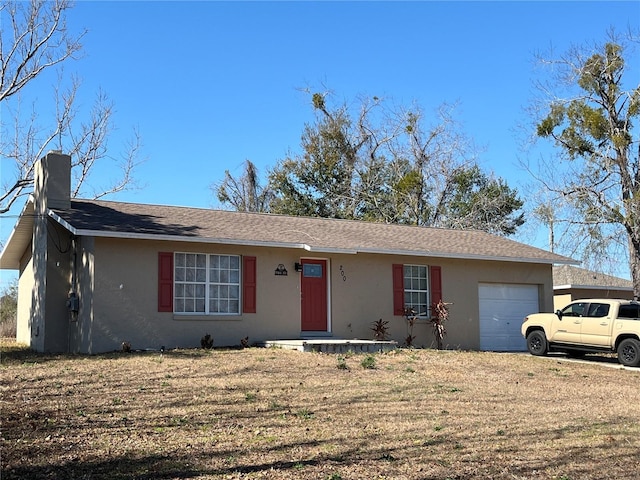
(587, 325)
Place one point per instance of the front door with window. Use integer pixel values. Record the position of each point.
(313, 295)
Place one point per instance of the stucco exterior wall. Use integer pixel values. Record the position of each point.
(43, 321)
(460, 279)
(26, 282)
(57, 289)
(43, 286)
(123, 298)
(561, 300)
(81, 335)
(364, 296)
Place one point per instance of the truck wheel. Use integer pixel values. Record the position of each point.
(629, 352)
(537, 343)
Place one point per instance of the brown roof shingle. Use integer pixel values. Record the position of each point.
(120, 219)
(568, 275)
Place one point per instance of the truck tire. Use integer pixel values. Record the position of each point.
(629, 352)
(537, 343)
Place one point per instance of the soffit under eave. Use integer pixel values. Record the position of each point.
(19, 239)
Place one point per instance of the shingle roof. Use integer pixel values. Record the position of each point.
(569, 276)
(117, 219)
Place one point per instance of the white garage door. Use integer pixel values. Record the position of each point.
(502, 309)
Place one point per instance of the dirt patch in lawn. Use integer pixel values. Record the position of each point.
(267, 413)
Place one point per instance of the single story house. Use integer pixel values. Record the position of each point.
(572, 283)
(94, 274)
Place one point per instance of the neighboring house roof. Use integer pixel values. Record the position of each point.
(568, 276)
(320, 235)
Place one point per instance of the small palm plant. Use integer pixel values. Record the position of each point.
(380, 330)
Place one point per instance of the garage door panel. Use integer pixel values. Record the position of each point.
(502, 309)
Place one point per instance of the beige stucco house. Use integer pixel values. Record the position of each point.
(572, 283)
(94, 274)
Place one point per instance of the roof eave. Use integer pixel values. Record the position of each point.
(19, 238)
(460, 256)
(570, 286)
(221, 241)
(309, 248)
(62, 222)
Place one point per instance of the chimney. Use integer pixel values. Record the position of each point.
(52, 180)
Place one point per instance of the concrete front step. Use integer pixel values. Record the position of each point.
(327, 345)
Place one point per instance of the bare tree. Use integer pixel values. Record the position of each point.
(39, 39)
(35, 40)
(244, 194)
(589, 114)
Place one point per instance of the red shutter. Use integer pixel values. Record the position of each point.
(249, 284)
(398, 289)
(435, 277)
(165, 282)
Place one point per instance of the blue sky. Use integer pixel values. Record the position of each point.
(210, 84)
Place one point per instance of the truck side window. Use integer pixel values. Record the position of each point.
(598, 310)
(574, 309)
(628, 311)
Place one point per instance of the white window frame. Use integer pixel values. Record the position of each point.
(201, 278)
(410, 290)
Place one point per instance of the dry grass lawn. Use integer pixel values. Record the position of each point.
(267, 413)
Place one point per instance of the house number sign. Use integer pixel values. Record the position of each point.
(344, 275)
(281, 270)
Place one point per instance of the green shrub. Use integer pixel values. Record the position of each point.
(342, 363)
(380, 330)
(369, 362)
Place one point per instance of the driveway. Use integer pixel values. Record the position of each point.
(609, 361)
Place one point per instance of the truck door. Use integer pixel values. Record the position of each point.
(566, 329)
(596, 325)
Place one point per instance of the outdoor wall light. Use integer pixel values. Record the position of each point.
(298, 267)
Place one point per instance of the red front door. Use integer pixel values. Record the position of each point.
(313, 293)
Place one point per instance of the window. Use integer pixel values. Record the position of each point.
(598, 310)
(574, 309)
(418, 287)
(206, 284)
(312, 270)
(416, 290)
(630, 310)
